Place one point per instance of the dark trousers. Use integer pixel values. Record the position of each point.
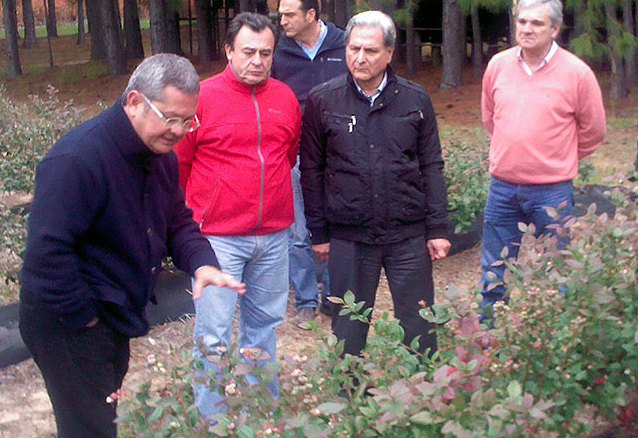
(356, 267)
(80, 370)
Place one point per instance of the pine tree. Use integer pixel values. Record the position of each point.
(612, 46)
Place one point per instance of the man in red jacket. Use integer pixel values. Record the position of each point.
(236, 173)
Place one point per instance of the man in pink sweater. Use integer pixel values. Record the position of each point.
(543, 110)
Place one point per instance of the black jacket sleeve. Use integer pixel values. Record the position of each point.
(431, 167)
(312, 166)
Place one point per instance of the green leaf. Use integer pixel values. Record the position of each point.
(514, 389)
(331, 408)
(423, 418)
(157, 413)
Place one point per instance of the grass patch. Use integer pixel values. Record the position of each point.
(64, 29)
(621, 123)
(610, 164)
(75, 74)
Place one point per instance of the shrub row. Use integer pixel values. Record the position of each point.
(26, 132)
(561, 356)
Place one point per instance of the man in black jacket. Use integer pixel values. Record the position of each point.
(107, 209)
(372, 179)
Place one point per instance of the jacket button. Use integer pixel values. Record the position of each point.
(149, 231)
(153, 269)
(381, 104)
(371, 146)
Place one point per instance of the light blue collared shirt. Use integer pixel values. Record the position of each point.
(372, 98)
(311, 52)
(552, 51)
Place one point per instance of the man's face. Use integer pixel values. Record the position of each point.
(366, 55)
(251, 59)
(534, 31)
(150, 127)
(293, 20)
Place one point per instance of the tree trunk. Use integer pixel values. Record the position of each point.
(110, 20)
(512, 37)
(173, 36)
(159, 36)
(579, 25)
(81, 18)
(132, 31)
(247, 5)
(341, 13)
(410, 52)
(51, 20)
(329, 9)
(452, 43)
(98, 48)
(618, 85)
(205, 43)
(477, 42)
(10, 19)
(30, 39)
(630, 28)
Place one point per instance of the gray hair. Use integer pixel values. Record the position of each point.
(159, 71)
(374, 19)
(555, 9)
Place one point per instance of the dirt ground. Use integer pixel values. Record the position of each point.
(25, 410)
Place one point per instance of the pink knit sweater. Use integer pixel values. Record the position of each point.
(541, 125)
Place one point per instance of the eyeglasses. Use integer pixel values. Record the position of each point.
(191, 124)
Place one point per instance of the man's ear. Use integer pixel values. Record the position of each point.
(556, 31)
(312, 15)
(228, 50)
(134, 103)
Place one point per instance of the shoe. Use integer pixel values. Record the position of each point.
(304, 316)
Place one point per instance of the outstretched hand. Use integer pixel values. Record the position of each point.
(211, 276)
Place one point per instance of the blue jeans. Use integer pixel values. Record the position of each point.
(302, 262)
(262, 263)
(507, 205)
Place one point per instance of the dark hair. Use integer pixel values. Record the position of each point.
(307, 5)
(255, 22)
(159, 71)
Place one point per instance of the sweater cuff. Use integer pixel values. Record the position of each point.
(200, 260)
(78, 320)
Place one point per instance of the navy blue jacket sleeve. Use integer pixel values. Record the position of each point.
(186, 245)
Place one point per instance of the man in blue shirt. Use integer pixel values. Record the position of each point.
(310, 52)
(106, 211)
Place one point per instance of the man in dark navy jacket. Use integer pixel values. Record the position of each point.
(310, 52)
(107, 209)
